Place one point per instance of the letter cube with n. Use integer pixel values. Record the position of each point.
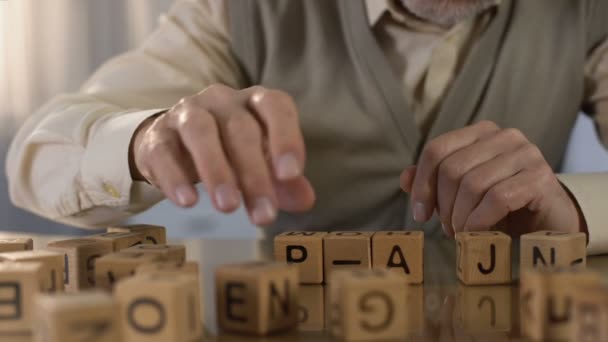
(553, 249)
(483, 258)
(401, 252)
(257, 298)
(19, 284)
(368, 305)
(83, 316)
(305, 249)
(160, 307)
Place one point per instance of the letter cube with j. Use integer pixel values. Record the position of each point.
(257, 298)
(368, 305)
(160, 307)
(304, 249)
(483, 258)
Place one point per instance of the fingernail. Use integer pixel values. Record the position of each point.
(185, 195)
(263, 211)
(227, 197)
(287, 167)
(419, 212)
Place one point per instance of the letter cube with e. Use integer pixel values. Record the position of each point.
(483, 258)
(19, 284)
(175, 253)
(401, 252)
(257, 298)
(83, 316)
(546, 300)
(305, 249)
(79, 260)
(553, 249)
(52, 263)
(347, 251)
(16, 244)
(368, 305)
(156, 235)
(160, 307)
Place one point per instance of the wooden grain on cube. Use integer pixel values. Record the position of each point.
(257, 298)
(19, 284)
(83, 316)
(368, 305)
(346, 251)
(190, 267)
(52, 263)
(175, 253)
(16, 244)
(485, 309)
(120, 241)
(111, 268)
(160, 307)
(590, 314)
(483, 258)
(546, 297)
(79, 260)
(304, 249)
(553, 249)
(401, 252)
(153, 234)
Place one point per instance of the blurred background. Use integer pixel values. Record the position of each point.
(51, 47)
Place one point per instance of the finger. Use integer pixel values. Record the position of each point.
(199, 133)
(424, 188)
(514, 193)
(453, 168)
(478, 181)
(278, 113)
(167, 164)
(295, 196)
(407, 178)
(242, 137)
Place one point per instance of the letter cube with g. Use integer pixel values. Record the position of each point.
(368, 305)
(304, 249)
(257, 297)
(160, 307)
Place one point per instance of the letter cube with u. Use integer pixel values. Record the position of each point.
(483, 258)
(257, 297)
(304, 249)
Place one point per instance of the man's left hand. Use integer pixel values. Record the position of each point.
(482, 177)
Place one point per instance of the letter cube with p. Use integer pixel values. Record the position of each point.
(304, 249)
(368, 305)
(160, 306)
(257, 297)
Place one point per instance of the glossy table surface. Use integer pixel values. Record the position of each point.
(442, 309)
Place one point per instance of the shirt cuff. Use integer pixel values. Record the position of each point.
(105, 165)
(590, 191)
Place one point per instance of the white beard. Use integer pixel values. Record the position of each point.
(446, 12)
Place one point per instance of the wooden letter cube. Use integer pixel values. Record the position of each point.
(112, 267)
(84, 316)
(485, 309)
(79, 260)
(16, 244)
(483, 258)
(553, 249)
(19, 284)
(368, 305)
(347, 250)
(590, 315)
(305, 249)
(176, 253)
(257, 298)
(546, 298)
(160, 307)
(120, 241)
(190, 267)
(311, 313)
(52, 263)
(401, 252)
(156, 235)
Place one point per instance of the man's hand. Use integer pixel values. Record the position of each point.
(238, 143)
(481, 177)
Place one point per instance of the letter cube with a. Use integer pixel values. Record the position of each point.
(83, 316)
(19, 284)
(401, 252)
(257, 298)
(368, 305)
(553, 249)
(160, 307)
(304, 249)
(483, 258)
(156, 235)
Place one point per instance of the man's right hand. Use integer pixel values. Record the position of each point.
(238, 143)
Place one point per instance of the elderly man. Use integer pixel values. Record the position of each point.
(317, 114)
